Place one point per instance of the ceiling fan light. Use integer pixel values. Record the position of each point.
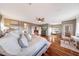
(39, 21)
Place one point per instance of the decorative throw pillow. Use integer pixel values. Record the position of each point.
(28, 36)
(23, 41)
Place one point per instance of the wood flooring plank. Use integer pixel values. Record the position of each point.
(56, 50)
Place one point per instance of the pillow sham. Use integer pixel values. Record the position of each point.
(13, 33)
(23, 41)
(28, 36)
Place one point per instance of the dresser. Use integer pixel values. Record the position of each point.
(76, 39)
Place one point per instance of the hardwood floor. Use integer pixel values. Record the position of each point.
(56, 50)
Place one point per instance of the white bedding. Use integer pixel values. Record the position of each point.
(10, 45)
(34, 46)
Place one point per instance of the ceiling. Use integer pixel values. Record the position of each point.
(54, 13)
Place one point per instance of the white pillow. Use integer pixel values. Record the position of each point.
(28, 36)
(13, 33)
(23, 42)
(10, 45)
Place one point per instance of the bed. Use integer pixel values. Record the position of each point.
(9, 46)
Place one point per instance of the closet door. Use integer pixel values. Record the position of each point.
(68, 29)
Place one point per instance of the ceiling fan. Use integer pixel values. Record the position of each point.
(40, 19)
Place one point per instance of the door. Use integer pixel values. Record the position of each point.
(68, 28)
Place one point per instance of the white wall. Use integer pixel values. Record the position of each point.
(49, 30)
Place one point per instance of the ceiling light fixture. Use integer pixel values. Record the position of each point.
(40, 19)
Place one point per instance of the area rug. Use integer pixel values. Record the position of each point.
(69, 46)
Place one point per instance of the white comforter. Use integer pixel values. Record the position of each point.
(34, 46)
